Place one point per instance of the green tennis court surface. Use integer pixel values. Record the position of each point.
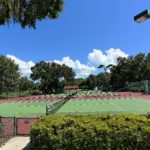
(20, 109)
(113, 106)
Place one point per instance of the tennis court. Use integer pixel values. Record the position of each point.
(24, 109)
(84, 106)
(113, 106)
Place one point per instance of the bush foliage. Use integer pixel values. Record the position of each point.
(93, 132)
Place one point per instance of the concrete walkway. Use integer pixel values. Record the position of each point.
(17, 143)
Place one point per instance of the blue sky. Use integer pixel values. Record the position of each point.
(84, 25)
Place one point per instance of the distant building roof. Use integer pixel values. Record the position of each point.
(71, 87)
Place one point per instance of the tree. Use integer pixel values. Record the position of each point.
(90, 82)
(28, 12)
(102, 81)
(105, 85)
(79, 81)
(50, 75)
(105, 67)
(9, 74)
(120, 74)
(130, 69)
(25, 84)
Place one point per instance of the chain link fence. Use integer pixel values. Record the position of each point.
(141, 86)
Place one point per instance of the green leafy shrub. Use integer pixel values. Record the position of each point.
(93, 132)
(35, 92)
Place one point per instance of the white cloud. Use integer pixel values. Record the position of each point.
(81, 70)
(98, 57)
(25, 67)
(95, 58)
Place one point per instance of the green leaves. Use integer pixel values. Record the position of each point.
(9, 74)
(28, 12)
(50, 75)
(25, 84)
(105, 67)
(131, 69)
(101, 132)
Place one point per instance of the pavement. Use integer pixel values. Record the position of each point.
(17, 143)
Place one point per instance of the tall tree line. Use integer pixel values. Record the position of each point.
(131, 69)
(48, 77)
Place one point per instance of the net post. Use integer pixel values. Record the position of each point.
(146, 86)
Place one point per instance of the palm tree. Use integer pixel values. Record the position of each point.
(105, 67)
(105, 70)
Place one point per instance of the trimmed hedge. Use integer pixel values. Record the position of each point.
(93, 132)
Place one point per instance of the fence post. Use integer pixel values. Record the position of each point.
(15, 127)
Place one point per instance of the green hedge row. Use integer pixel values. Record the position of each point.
(93, 132)
(13, 94)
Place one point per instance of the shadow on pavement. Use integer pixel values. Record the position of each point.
(27, 147)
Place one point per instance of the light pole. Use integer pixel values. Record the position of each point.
(141, 17)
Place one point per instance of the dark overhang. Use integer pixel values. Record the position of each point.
(142, 16)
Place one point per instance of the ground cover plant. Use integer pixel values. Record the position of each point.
(93, 132)
(3, 139)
